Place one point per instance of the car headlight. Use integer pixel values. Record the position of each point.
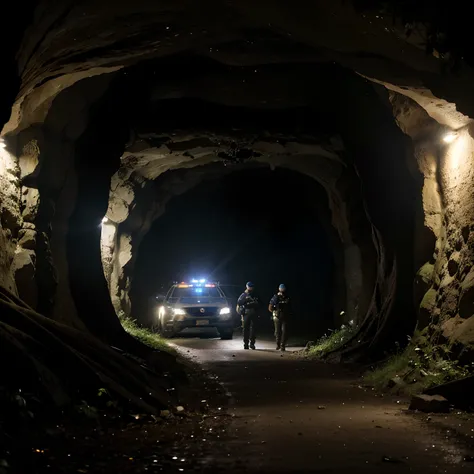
(179, 312)
(224, 311)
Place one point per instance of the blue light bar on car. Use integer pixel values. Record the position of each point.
(196, 283)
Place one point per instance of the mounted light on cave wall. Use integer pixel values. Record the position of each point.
(450, 137)
(458, 152)
(107, 242)
(108, 228)
(7, 161)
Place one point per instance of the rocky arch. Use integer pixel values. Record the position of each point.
(135, 202)
(364, 286)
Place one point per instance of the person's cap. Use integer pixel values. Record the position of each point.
(249, 284)
(282, 287)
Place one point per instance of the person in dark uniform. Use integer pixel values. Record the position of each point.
(280, 307)
(248, 306)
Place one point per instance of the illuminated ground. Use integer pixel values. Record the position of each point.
(290, 415)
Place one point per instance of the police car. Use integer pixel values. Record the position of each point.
(194, 304)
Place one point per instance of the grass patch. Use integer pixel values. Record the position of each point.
(145, 335)
(416, 369)
(331, 341)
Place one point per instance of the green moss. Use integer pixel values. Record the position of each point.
(331, 341)
(418, 367)
(429, 300)
(144, 335)
(426, 272)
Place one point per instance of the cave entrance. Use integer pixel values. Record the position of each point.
(267, 226)
(157, 167)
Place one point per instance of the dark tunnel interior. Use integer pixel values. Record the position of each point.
(256, 225)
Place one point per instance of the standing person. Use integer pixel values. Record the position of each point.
(248, 305)
(280, 308)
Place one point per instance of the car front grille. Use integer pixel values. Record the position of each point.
(196, 311)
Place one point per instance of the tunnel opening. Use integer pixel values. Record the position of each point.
(347, 139)
(257, 224)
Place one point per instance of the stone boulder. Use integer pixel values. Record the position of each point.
(459, 392)
(309, 345)
(396, 382)
(423, 282)
(429, 404)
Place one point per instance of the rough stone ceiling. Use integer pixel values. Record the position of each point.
(70, 42)
(186, 150)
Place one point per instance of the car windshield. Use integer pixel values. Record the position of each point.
(198, 292)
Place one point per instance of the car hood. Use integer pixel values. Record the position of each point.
(199, 302)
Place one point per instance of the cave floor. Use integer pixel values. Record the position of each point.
(293, 415)
(282, 414)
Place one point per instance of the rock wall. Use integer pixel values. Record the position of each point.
(444, 282)
(42, 198)
(12, 262)
(29, 159)
(453, 268)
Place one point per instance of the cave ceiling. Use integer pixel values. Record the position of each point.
(71, 42)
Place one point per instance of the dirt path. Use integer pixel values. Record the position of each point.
(291, 415)
(286, 415)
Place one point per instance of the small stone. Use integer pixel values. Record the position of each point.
(429, 404)
(391, 460)
(179, 409)
(395, 382)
